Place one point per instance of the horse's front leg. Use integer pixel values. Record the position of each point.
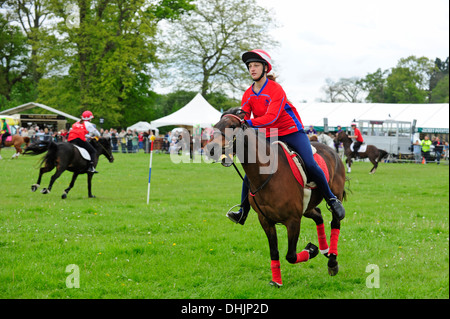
(42, 171)
(72, 183)
(54, 177)
(310, 251)
(89, 180)
(16, 154)
(349, 163)
(316, 215)
(271, 233)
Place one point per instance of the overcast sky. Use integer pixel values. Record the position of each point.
(351, 38)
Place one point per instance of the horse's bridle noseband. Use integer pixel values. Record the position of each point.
(230, 143)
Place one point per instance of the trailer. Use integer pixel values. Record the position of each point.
(395, 137)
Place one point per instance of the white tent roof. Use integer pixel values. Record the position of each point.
(140, 126)
(31, 105)
(196, 112)
(427, 115)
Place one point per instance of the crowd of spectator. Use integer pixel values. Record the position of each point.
(128, 141)
(124, 141)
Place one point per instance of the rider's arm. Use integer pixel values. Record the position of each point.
(91, 129)
(275, 101)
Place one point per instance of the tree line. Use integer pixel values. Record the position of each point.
(109, 56)
(412, 80)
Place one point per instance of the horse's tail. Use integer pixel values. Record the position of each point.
(42, 147)
(27, 140)
(346, 189)
(38, 148)
(382, 155)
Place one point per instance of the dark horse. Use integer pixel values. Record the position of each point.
(65, 156)
(276, 195)
(374, 154)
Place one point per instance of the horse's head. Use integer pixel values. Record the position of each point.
(313, 138)
(341, 136)
(104, 147)
(222, 144)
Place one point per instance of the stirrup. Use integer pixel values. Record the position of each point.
(230, 216)
(92, 170)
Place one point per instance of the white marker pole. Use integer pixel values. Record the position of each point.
(152, 138)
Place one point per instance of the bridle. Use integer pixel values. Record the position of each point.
(230, 143)
(106, 151)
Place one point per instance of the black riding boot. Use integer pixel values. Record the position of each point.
(336, 208)
(91, 168)
(237, 217)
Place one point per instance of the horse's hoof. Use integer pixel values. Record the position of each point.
(332, 271)
(64, 196)
(45, 191)
(92, 196)
(34, 187)
(275, 284)
(333, 267)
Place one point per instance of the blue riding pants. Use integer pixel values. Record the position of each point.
(299, 141)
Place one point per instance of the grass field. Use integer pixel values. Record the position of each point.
(182, 245)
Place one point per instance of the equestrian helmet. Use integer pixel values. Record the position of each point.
(258, 55)
(87, 116)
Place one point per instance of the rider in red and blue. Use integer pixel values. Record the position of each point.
(268, 103)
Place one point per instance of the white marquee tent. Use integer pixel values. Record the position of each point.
(140, 126)
(197, 112)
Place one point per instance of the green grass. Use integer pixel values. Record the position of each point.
(182, 245)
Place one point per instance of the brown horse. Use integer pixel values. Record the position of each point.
(374, 154)
(16, 141)
(275, 194)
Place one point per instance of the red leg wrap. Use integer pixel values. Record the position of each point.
(334, 241)
(276, 272)
(323, 245)
(302, 256)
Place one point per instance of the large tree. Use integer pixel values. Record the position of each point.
(31, 15)
(344, 90)
(101, 53)
(13, 57)
(205, 46)
(411, 81)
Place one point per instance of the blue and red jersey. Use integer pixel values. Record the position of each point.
(271, 109)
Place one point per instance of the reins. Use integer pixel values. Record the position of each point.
(248, 184)
(110, 154)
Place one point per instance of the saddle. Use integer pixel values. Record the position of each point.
(361, 149)
(84, 154)
(8, 139)
(298, 169)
